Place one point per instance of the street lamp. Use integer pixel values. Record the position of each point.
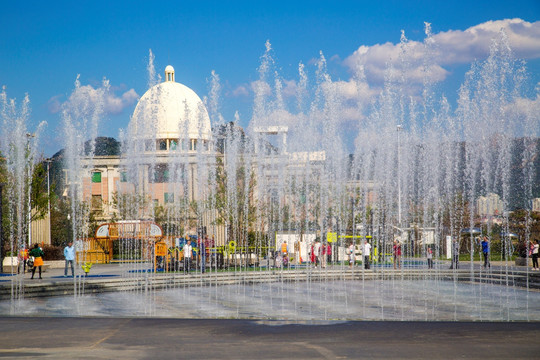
(28, 137)
(399, 128)
(48, 161)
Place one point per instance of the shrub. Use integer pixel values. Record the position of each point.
(53, 252)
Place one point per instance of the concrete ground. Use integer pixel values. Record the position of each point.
(129, 338)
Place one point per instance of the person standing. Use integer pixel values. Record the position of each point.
(285, 253)
(485, 251)
(188, 253)
(329, 253)
(69, 255)
(312, 257)
(367, 253)
(284, 248)
(23, 258)
(323, 256)
(397, 254)
(455, 254)
(297, 253)
(350, 252)
(202, 253)
(317, 252)
(37, 253)
(534, 255)
(429, 258)
(210, 248)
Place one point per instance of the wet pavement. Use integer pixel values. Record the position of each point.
(129, 338)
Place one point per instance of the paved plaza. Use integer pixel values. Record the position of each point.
(128, 338)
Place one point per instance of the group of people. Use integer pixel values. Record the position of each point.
(484, 243)
(320, 254)
(34, 259)
(203, 243)
(366, 252)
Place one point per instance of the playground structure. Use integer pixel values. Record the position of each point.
(133, 240)
(171, 258)
(143, 241)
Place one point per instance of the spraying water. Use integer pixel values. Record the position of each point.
(282, 202)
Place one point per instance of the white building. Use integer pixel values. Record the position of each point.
(536, 204)
(165, 162)
(489, 205)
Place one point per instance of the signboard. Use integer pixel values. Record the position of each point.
(161, 249)
(428, 237)
(129, 229)
(103, 231)
(331, 237)
(155, 230)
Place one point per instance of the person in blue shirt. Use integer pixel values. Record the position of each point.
(485, 251)
(69, 254)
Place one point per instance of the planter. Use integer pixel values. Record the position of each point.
(10, 264)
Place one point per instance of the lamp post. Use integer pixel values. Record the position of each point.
(399, 172)
(48, 161)
(28, 137)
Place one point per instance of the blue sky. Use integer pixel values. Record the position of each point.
(45, 45)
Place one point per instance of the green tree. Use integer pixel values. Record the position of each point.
(61, 226)
(237, 210)
(41, 192)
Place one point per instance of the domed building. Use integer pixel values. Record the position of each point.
(167, 154)
(170, 134)
(171, 111)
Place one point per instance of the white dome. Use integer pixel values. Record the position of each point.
(165, 108)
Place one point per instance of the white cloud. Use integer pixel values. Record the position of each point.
(290, 88)
(525, 113)
(115, 105)
(450, 47)
(86, 96)
(130, 96)
(335, 58)
(54, 105)
(261, 87)
(240, 91)
(474, 43)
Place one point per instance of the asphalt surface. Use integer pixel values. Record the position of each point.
(136, 338)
